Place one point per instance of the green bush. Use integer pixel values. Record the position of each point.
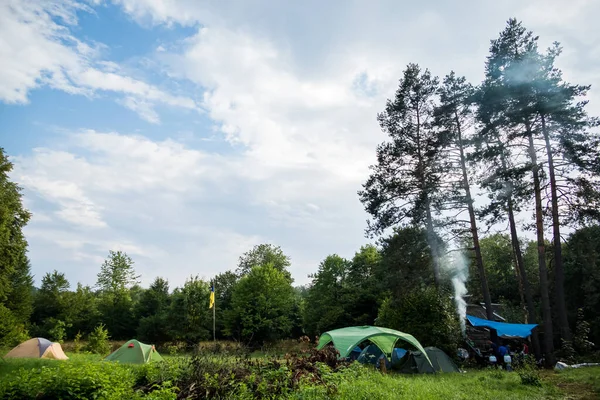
(77, 346)
(581, 340)
(69, 381)
(529, 373)
(98, 341)
(57, 329)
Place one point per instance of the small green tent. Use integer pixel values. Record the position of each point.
(346, 339)
(134, 352)
(414, 362)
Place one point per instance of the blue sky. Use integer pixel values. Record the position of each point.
(185, 132)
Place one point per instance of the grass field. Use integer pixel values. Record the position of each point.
(86, 376)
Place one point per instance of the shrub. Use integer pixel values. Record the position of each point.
(581, 340)
(98, 341)
(11, 331)
(57, 329)
(528, 372)
(77, 346)
(69, 381)
(566, 352)
(223, 377)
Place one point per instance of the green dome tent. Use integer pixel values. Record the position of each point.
(346, 339)
(134, 352)
(414, 362)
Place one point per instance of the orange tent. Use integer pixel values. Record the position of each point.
(38, 348)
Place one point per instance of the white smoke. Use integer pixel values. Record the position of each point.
(458, 267)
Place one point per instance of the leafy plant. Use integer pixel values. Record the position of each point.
(98, 341)
(57, 329)
(77, 346)
(581, 340)
(529, 373)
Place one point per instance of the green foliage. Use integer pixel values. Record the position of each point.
(497, 252)
(77, 346)
(310, 375)
(406, 261)
(264, 254)
(50, 299)
(566, 352)
(12, 331)
(20, 301)
(189, 318)
(325, 308)
(529, 373)
(15, 278)
(117, 273)
(152, 311)
(98, 341)
(81, 311)
(115, 305)
(69, 381)
(426, 314)
(582, 332)
(56, 330)
(582, 277)
(343, 292)
(401, 184)
(224, 284)
(261, 306)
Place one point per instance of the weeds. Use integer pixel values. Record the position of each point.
(529, 373)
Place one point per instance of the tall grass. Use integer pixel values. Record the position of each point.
(86, 376)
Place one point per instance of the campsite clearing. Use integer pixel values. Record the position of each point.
(86, 374)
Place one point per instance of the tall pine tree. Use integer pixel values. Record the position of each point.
(403, 183)
(454, 116)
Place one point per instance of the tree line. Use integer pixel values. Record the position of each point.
(523, 137)
(460, 160)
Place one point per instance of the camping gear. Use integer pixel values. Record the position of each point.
(346, 339)
(355, 353)
(397, 355)
(561, 365)
(503, 329)
(373, 355)
(414, 362)
(134, 352)
(38, 348)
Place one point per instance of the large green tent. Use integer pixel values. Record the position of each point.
(134, 352)
(346, 339)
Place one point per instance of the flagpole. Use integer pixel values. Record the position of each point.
(214, 315)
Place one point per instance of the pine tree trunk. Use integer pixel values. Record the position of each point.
(559, 275)
(485, 290)
(539, 222)
(521, 292)
(535, 339)
(431, 239)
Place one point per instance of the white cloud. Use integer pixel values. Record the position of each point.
(37, 48)
(180, 211)
(293, 87)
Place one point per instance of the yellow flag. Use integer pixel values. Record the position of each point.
(211, 303)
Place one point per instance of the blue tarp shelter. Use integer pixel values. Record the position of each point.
(504, 329)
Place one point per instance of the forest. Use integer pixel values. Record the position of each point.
(502, 176)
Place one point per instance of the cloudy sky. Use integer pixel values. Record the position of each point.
(185, 132)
